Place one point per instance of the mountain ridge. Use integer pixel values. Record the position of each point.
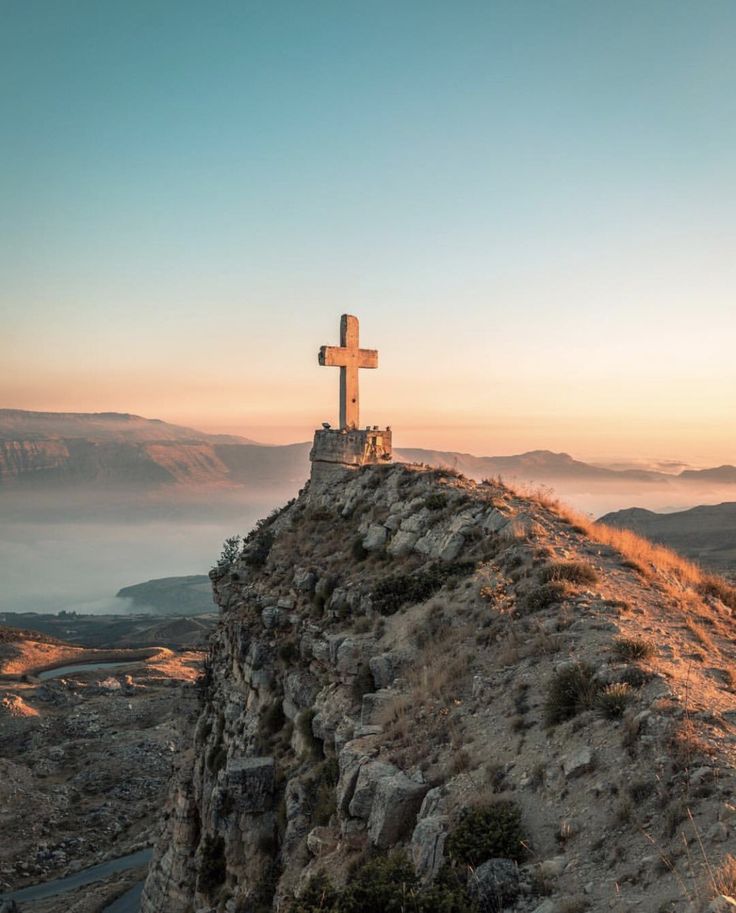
(121, 448)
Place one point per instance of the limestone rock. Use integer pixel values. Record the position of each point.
(578, 763)
(321, 840)
(375, 538)
(393, 812)
(402, 543)
(494, 884)
(369, 776)
(427, 846)
(386, 667)
(372, 705)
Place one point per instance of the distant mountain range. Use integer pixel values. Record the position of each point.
(57, 449)
(706, 534)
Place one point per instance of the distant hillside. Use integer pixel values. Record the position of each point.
(706, 534)
(48, 449)
(172, 595)
(536, 464)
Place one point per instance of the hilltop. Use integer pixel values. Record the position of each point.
(461, 695)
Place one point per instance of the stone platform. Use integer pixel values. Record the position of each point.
(337, 450)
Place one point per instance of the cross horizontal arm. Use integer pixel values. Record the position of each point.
(340, 357)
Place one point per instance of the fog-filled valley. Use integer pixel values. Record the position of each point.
(73, 551)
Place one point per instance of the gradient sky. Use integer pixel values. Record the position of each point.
(530, 205)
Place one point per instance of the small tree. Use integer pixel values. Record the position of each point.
(231, 550)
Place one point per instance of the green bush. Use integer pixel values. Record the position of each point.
(572, 690)
(436, 501)
(257, 552)
(386, 884)
(317, 897)
(571, 571)
(485, 832)
(391, 593)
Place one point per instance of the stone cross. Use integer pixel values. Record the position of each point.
(348, 357)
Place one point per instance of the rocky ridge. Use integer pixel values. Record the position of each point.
(409, 665)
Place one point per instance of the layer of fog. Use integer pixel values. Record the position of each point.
(74, 551)
(74, 554)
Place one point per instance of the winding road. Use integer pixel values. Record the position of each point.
(88, 876)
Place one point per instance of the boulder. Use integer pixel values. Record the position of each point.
(321, 840)
(578, 763)
(494, 521)
(427, 846)
(373, 704)
(394, 810)
(494, 884)
(451, 546)
(375, 538)
(402, 543)
(304, 580)
(369, 776)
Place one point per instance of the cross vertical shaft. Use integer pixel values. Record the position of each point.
(349, 357)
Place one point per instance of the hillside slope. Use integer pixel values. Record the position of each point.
(706, 533)
(417, 673)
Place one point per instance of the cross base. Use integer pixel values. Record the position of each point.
(336, 450)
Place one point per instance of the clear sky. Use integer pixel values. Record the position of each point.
(530, 204)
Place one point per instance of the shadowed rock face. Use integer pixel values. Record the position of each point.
(365, 697)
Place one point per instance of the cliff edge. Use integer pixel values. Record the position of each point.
(427, 694)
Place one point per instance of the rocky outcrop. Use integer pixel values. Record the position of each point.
(394, 660)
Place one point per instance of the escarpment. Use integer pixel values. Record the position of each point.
(426, 694)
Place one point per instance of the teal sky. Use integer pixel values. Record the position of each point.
(530, 205)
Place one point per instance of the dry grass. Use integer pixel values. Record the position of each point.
(637, 551)
(724, 877)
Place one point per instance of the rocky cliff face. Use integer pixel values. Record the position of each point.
(460, 695)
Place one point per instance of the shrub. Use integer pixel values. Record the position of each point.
(257, 552)
(216, 757)
(436, 501)
(719, 589)
(288, 651)
(324, 780)
(572, 690)
(386, 885)
(212, 867)
(391, 593)
(613, 700)
(272, 718)
(546, 595)
(724, 877)
(357, 549)
(571, 571)
(489, 831)
(318, 897)
(628, 649)
(304, 726)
